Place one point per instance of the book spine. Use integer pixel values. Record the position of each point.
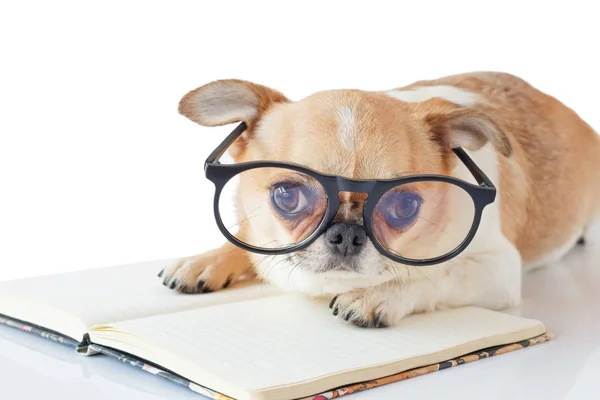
(40, 332)
(158, 371)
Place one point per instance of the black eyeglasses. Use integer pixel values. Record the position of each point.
(416, 220)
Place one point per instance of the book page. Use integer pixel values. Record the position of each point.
(107, 295)
(255, 346)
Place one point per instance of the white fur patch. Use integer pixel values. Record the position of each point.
(490, 253)
(346, 128)
(455, 95)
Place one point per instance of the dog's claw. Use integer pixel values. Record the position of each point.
(201, 287)
(332, 302)
(361, 323)
(378, 322)
(160, 274)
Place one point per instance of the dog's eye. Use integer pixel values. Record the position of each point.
(289, 198)
(400, 209)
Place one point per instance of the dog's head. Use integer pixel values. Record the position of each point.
(349, 133)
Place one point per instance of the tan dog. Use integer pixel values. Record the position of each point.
(543, 159)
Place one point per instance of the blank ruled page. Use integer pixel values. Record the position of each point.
(107, 295)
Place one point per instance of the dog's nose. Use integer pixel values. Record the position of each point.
(345, 239)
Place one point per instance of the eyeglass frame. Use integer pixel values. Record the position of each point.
(482, 194)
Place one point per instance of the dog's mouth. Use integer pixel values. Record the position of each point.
(338, 264)
(320, 259)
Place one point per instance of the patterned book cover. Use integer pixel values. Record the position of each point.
(38, 331)
(158, 371)
(80, 347)
(335, 393)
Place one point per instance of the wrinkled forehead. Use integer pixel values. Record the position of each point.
(347, 132)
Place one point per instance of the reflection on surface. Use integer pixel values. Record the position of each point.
(36, 368)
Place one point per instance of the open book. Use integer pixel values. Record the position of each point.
(249, 341)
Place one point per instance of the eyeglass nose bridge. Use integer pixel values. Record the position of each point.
(355, 186)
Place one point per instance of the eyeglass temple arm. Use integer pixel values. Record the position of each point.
(477, 173)
(217, 153)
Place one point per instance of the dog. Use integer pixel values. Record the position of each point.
(542, 158)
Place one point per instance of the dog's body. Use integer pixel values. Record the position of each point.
(544, 160)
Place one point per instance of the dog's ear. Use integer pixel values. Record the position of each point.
(226, 101)
(453, 126)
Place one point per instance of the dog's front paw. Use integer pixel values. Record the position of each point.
(369, 308)
(206, 272)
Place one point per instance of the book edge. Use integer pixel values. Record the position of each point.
(427, 369)
(46, 333)
(40, 314)
(158, 370)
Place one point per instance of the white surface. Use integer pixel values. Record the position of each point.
(98, 168)
(565, 296)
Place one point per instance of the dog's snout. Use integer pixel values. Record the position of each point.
(345, 239)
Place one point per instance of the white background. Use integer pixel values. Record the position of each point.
(98, 168)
